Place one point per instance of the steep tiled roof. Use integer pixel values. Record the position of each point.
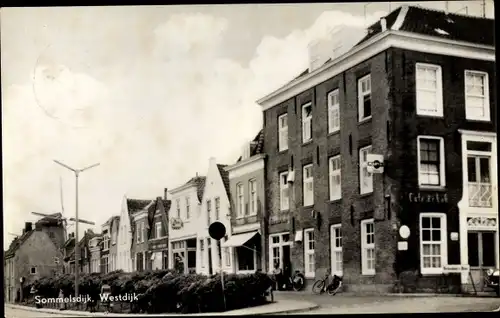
(225, 178)
(17, 242)
(199, 183)
(438, 23)
(257, 146)
(135, 205)
(166, 205)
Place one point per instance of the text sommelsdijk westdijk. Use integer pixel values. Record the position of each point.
(131, 297)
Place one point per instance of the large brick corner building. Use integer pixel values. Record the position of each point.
(417, 90)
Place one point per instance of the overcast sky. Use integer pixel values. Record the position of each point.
(151, 93)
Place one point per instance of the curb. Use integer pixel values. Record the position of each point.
(73, 313)
(289, 311)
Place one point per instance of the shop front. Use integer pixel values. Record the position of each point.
(247, 251)
(184, 255)
(159, 253)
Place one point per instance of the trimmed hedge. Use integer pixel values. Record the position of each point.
(165, 291)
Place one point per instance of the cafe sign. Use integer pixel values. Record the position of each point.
(176, 223)
(482, 223)
(419, 197)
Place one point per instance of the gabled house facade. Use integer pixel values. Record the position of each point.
(215, 207)
(85, 255)
(184, 225)
(140, 211)
(416, 93)
(158, 236)
(248, 217)
(124, 240)
(106, 244)
(30, 256)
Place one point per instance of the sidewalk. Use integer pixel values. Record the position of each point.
(278, 307)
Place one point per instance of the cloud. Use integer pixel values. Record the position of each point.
(153, 126)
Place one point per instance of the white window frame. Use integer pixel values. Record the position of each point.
(240, 200)
(158, 230)
(283, 132)
(280, 245)
(209, 211)
(333, 111)
(188, 208)
(443, 242)
(468, 114)
(308, 196)
(31, 270)
(306, 124)
(202, 253)
(480, 154)
(284, 202)
(252, 191)
(335, 188)
(227, 257)
(217, 208)
(361, 96)
(309, 272)
(363, 165)
(365, 247)
(337, 266)
(105, 244)
(439, 91)
(178, 203)
(442, 174)
(138, 232)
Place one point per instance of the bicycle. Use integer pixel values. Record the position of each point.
(320, 286)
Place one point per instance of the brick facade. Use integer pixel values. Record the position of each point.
(392, 131)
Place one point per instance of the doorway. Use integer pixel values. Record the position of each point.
(482, 253)
(287, 263)
(210, 265)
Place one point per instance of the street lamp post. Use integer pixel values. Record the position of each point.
(77, 247)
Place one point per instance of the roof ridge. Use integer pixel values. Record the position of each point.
(449, 13)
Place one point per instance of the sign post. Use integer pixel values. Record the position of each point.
(217, 231)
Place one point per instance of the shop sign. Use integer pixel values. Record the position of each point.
(449, 269)
(156, 246)
(481, 222)
(419, 197)
(176, 223)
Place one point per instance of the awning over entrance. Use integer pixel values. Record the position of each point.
(239, 239)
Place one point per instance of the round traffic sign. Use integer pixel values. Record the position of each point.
(217, 230)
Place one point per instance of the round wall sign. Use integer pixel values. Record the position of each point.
(404, 231)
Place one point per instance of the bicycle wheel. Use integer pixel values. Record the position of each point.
(333, 289)
(318, 287)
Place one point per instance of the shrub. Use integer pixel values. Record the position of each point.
(166, 291)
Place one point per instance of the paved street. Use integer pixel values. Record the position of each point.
(18, 313)
(341, 304)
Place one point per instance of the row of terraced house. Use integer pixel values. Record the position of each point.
(415, 92)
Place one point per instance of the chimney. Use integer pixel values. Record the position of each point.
(24, 231)
(383, 24)
(196, 174)
(446, 7)
(28, 226)
(212, 161)
(165, 194)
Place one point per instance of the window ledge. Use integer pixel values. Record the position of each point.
(432, 188)
(439, 115)
(310, 275)
(368, 274)
(246, 272)
(364, 120)
(283, 151)
(480, 120)
(308, 206)
(305, 143)
(336, 132)
(367, 194)
(335, 200)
